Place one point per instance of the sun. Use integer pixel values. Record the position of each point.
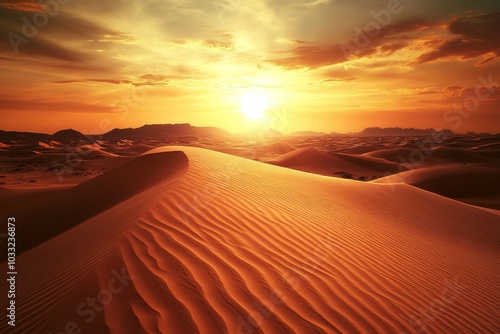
(254, 104)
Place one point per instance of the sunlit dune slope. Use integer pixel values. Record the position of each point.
(238, 246)
(327, 163)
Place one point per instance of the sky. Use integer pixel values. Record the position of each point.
(321, 65)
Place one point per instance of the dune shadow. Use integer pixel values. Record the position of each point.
(42, 220)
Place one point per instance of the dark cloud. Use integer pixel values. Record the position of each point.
(145, 80)
(477, 37)
(311, 57)
(109, 81)
(364, 44)
(23, 5)
(391, 48)
(453, 91)
(338, 75)
(42, 47)
(30, 38)
(459, 94)
(216, 44)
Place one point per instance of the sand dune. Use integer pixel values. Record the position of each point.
(402, 155)
(335, 164)
(55, 214)
(361, 149)
(436, 155)
(238, 246)
(95, 150)
(474, 184)
(45, 145)
(493, 154)
(460, 155)
(275, 148)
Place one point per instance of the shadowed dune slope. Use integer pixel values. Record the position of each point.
(436, 155)
(327, 163)
(44, 219)
(238, 246)
(456, 181)
(461, 155)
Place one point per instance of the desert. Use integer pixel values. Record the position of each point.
(149, 236)
(249, 167)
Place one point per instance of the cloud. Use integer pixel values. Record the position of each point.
(462, 93)
(65, 42)
(24, 6)
(145, 80)
(393, 47)
(315, 3)
(119, 38)
(22, 37)
(108, 81)
(386, 40)
(453, 91)
(217, 44)
(311, 57)
(51, 106)
(477, 37)
(338, 74)
(42, 47)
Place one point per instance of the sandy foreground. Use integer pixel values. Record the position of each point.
(188, 240)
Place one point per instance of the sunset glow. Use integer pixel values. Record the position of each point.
(342, 65)
(254, 104)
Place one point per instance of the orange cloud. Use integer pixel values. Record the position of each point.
(365, 44)
(147, 80)
(24, 6)
(478, 37)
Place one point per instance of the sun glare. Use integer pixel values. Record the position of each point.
(254, 104)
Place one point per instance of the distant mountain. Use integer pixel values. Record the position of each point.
(15, 135)
(187, 130)
(69, 134)
(166, 130)
(375, 132)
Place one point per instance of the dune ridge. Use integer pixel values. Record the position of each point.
(317, 161)
(237, 246)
